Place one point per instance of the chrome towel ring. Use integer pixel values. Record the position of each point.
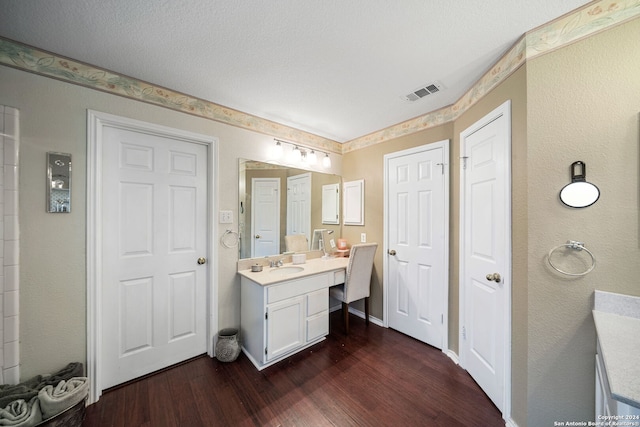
(578, 246)
(230, 239)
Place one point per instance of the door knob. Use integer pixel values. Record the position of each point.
(257, 236)
(202, 260)
(392, 252)
(495, 277)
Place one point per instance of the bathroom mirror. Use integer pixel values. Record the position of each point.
(271, 208)
(58, 182)
(579, 193)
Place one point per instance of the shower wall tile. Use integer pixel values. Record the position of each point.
(9, 246)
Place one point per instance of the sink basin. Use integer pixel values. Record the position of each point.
(284, 271)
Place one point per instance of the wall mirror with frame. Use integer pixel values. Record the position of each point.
(58, 182)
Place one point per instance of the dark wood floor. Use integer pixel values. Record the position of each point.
(373, 377)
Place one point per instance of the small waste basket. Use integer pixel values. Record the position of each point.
(228, 346)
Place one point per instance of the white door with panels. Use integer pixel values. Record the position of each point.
(265, 216)
(417, 200)
(485, 253)
(299, 205)
(154, 253)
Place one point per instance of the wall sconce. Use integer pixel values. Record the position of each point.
(300, 154)
(579, 193)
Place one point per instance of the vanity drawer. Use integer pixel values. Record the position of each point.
(293, 288)
(318, 326)
(317, 301)
(339, 277)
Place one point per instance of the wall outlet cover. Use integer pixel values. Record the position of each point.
(226, 217)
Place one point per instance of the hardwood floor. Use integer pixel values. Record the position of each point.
(372, 377)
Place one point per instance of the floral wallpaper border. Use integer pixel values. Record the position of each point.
(569, 28)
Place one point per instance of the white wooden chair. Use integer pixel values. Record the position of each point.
(357, 283)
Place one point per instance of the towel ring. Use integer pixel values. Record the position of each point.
(230, 239)
(578, 246)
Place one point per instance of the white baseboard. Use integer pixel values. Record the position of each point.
(358, 313)
(453, 356)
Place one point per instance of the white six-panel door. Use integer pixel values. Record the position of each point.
(417, 250)
(154, 231)
(299, 205)
(265, 216)
(485, 253)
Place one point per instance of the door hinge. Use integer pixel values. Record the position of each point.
(443, 165)
(464, 161)
(265, 350)
(464, 333)
(266, 316)
(442, 318)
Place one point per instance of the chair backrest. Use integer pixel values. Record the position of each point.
(296, 243)
(358, 281)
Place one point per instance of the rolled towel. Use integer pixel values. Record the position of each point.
(74, 369)
(64, 395)
(21, 413)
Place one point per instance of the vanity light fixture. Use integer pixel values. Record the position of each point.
(326, 161)
(311, 158)
(296, 154)
(300, 153)
(278, 150)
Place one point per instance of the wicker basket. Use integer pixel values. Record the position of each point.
(72, 417)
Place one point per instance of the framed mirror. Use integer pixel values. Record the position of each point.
(58, 182)
(275, 201)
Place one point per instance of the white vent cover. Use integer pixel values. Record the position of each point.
(423, 91)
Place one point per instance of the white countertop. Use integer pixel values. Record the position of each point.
(311, 267)
(619, 338)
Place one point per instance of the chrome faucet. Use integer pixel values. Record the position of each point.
(276, 263)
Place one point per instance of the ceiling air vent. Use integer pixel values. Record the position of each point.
(423, 91)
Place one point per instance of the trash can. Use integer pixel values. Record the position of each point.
(228, 346)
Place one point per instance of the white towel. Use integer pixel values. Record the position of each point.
(64, 395)
(21, 413)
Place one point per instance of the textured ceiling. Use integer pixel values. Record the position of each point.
(334, 68)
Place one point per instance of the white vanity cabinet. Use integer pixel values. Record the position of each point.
(283, 318)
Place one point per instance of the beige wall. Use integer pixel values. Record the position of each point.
(583, 103)
(52, 274)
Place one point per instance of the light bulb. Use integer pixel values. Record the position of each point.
(277, 150)
(296, 155)
(311, 158)
(326, 161)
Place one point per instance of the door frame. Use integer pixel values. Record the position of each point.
(444, 144)
(96, 121)
(503, 110)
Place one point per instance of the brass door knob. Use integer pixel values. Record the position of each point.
(257, 236)
(392, 252)
(202, 260)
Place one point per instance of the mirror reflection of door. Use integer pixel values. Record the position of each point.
(265, 216)
(299, 205)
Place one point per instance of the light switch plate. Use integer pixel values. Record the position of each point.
(363, 237)
(226, 217)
